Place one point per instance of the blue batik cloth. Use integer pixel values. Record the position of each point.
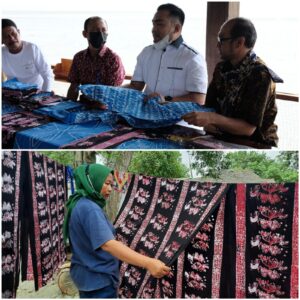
(149, 144)
(129, 104)
(53, 135)
(14, 84)
(71, 112)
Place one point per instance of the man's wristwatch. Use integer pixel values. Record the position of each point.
(168, 98)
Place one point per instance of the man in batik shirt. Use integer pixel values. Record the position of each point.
(97, 64)
(242, 90)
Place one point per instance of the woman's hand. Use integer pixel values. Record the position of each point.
(157, 268)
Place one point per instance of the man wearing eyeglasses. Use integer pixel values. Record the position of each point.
(242, 90)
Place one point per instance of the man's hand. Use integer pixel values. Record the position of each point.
(200, 118)
(157, 268)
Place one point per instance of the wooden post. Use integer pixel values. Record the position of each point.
(217, 14)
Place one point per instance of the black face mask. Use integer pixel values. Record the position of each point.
(97, 39)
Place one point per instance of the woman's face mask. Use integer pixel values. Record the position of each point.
(97, 39)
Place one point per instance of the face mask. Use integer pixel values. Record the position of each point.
(163, 43)
(97, 39)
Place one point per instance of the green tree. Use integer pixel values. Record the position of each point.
(158, 163)
(71, 158)
(262, 165)
(213, 162)
(209, 163)
(289, 158)
(119, 160)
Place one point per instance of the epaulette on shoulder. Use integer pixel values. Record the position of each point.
(190, 48)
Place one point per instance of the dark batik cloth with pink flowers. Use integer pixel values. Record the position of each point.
(42, 193)
(220, 240)
(11, 172)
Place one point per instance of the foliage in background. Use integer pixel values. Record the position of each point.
(158, 163)
(289, 159)
(63, 157)
(281, 168)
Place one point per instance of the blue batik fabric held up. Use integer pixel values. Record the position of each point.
(130, 105)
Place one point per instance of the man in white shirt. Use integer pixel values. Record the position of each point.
(170, 68)
(23, 60)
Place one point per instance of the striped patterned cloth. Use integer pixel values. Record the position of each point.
(129, 104)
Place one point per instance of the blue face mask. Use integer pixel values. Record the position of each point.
(97, 39)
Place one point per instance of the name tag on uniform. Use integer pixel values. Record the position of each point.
(175, 68)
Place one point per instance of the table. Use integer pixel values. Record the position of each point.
(40, 132)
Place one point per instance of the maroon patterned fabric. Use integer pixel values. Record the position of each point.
(106, 68)
(246, 247)
(106, 140)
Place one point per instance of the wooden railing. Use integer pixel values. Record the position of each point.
(61, 71)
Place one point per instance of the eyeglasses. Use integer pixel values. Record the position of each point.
(222, 40)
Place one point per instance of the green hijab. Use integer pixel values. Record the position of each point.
(89, 180)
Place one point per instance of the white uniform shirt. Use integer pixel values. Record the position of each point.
(28, 66)
(175, 71)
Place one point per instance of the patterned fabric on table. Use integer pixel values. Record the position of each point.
(158, 219)
(105, 140)
(245, 246)
(143, 143)
(70, 112)
(16, 122)
(9, 108)
(45, 98)
(16, 90)
(54, 135)
(33, 198)
(14, 84)
(129, 104)
(11, 171)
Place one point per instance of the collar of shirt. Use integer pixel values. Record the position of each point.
(177, 42)
(100, 54)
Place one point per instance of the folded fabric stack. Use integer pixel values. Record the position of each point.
(130, 105)
(15, 90)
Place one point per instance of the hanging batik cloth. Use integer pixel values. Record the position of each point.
(239, 242)
(11, 172)
(159, 218)
(33, 214)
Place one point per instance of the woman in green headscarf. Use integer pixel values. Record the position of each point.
(95, 252)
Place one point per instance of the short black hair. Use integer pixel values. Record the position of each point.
(8, 23)
(174, 11)
(242, 27)
(87, 21)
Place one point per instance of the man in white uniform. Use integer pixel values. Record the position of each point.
(170, 68)
(23, 60)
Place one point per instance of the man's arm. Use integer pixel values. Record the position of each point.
(135, 85)
(230, 125)
(191, 97)
(156, 268)
(73, 91)
(44, 69)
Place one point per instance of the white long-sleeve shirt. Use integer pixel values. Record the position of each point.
(28, 66)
